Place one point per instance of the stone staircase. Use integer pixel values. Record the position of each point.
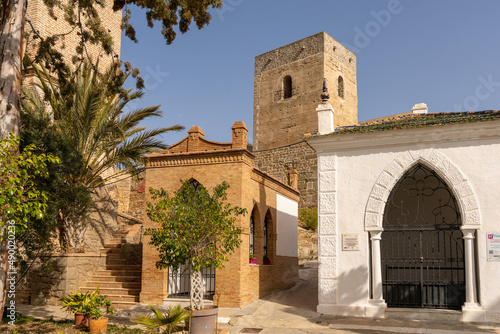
(119, 281)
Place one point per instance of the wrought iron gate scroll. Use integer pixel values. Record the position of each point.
(422, 245)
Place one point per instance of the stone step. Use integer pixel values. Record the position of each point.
(122, 298)
(123, 267)
(113, 291)
(115, 261)
(113, 245)
(114, 285)
(115, 272)
(121, 278)
(423, 314)
(113, 256)
(121, 305)
(110, 250)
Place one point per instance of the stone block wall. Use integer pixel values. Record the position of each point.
(279, 161)
(62, 274)
(129, 193)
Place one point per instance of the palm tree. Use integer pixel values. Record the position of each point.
(110, 142)
(171, 320)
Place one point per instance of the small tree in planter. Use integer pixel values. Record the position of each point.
(196, 229)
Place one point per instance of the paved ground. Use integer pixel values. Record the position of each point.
(294, 311)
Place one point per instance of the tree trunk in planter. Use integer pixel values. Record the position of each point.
(197, 290)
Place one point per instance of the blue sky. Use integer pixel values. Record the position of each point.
(445, 53)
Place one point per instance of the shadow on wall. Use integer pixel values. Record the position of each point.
(102, 224)
(352, 288)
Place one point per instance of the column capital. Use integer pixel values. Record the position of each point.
(468, 233)
(376, 235)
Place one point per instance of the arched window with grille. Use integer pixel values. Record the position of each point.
(287, 87)
(265, 238)
(268, 238)
(252, 235)
(340, 87)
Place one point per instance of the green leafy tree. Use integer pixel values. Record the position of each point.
(20, 200)
(196, 229)
(106, 142)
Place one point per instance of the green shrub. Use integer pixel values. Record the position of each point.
(308, 218)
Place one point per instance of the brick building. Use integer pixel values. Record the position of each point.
(270, 227)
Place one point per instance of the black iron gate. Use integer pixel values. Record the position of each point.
(422, 245)
(179, 283)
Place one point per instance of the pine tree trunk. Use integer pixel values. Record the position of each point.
(197, 291)
(10, 65)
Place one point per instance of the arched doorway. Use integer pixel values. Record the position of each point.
(422, 246)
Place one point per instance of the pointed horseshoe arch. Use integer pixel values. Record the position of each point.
(447, 170)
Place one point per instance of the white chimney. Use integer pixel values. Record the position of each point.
(325, 118)
(420, 108)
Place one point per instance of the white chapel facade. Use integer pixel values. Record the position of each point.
(408, 215)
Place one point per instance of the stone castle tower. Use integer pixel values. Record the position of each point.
(288, 84)
(287, 90)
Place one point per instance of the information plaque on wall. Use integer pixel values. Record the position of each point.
(493, 244)
(350, 241)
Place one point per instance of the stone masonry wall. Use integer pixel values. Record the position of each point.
(129, 193)
(62, 274)
(277, 162)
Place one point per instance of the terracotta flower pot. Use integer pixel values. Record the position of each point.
(81, 319)
(98, 325)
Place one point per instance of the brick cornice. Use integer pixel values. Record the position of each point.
(274, 184)
(200, 158)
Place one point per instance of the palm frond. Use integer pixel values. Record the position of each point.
(171, 319)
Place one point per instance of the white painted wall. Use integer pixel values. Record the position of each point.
(349, 165)
(287, 227)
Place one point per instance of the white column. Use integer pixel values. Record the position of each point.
(375, 237)
(470, 280)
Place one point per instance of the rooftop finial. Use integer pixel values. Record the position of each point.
(325, 96)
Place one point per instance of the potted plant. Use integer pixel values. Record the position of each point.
(171, 320)
(252, 259)
(267, 260)
(196, 229)
(93, 308)
(75, 303)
